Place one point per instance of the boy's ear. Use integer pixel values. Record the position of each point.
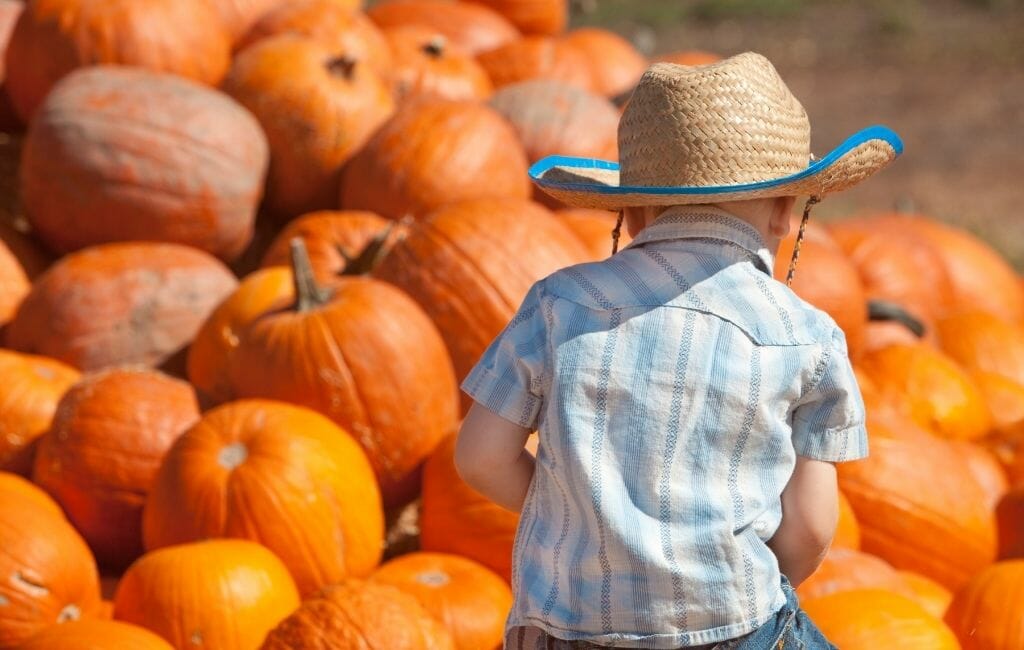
(778, 223)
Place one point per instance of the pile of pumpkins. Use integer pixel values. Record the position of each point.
(265, 241)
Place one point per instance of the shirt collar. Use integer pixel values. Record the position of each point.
(707, 222)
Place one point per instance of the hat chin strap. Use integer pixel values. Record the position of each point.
(800, 238)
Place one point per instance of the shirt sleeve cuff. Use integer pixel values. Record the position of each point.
(502, 396)
(835, 446)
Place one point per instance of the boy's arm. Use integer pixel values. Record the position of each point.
(810, 511)
(491, 456)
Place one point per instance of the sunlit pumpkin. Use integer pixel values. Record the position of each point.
(594, 228)
(532, 16)
(984, 467)
(615, 65)
(930, 595)
(847, 529)
(427, 64)
(471, 27)
(980, 341)
(96, 635)
(537, 57)
(333, 238)
(989, 611)
(866, 619)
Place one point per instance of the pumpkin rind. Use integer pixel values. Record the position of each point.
(96, 635)
(930, 595)
(473, 28)
(594, 229)
(537, 57)
(426, 64)
(847, 529)
(864, 619)
(532, 16)
(987, 612)
(615, 65)
(845, 569)
(330, 237)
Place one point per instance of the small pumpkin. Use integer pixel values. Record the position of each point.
(615, 65)
(333, 239)
(594, 229)
(473, 28)
(930, 595)
(844, 569)
(96, 635)
(863, 619)
(223, 593)
(989, 611)
(537, 57)
(547, 17)
(470, 600)
(426, 64)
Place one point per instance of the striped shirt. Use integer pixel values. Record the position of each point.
(672, 387)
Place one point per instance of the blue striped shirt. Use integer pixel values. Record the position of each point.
(672, 387)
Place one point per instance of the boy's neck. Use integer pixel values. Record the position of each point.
(770, 217)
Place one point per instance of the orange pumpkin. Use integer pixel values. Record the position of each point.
(930, 595)
(847, 529)
(594, 229)
(123, 154)
(469, 279)
(49, 574)
(101, 454)
(863, 619)
(1005, 399)
(844, 569)
(615, 65)
(96, 635)
(120, 303)
(1010, 522)
(930, 388)
(53, 37)
(472, 28)
(689, 57)
(28, 398)
(238, 16)
(10, 10)
(532, 16)
(537, 57)
(918, 506)
(318, 105)
(980, 341)
(224, 593)
(332, 238)
(984, 468)
(989, 611)
(434, 152)
(25, 249)
(275, 473)
(14, 284)
(469, 599)
(426, 64)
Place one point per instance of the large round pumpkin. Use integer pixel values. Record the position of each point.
(930, 595)
(434, 152)
(318, 105)
(238, 16)
(360, 614)
(980, 341)
(333, 238)
(49, 575)
(101, 454)
(53, 37)
(537, 57)
(29, 394)
(122, 154)
(615, 65)
(278, 474)
(223, 593)
(845, 569)
(989, 611)
(469, 266)
(426, 64)
(473, 28)
(532, 16)
(984, 468)
(847, 529)
(120, 303)
(469, 599)
(594, 229)
(96, 635)
(866, 619)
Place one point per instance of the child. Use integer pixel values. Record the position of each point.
(689, 407)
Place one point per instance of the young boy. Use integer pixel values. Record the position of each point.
(689, 407)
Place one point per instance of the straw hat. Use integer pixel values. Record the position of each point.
(727, 131)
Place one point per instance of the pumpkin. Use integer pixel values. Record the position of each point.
(980, 341)
(472, 28)
(931, 388)
(918, 506)
(427, 64)
(332, 238)
(875, 618)
(53, 37)
(95, 635)
(317, 104)
(101, 454)
(278, 474)
(930, 595)
(469, 599)
(844, 569)
(49, 574)
(469, 266)
(847, 529)
(532, 16)
(31, 388)
(335, 23)
(14, 284)
(984, 467)
(615, 65)
(10, 10)
(120, 303)
(1005, 399)
(594, 229)
(29, 254)
(987, 612)
(238, 16)
(123, 154)
(359, 614)
(537, 57)
(223, 593)
(434, 152)
(1010, 523)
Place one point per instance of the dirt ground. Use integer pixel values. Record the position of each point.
(947, 75)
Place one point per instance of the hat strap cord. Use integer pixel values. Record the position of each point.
(800, 239)
(617, 231)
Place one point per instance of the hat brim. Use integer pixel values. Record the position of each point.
(593, 183)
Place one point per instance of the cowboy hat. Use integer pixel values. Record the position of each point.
(726, 131)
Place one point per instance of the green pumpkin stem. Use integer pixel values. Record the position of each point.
(371, 255)
(881, 310)
(308, 294)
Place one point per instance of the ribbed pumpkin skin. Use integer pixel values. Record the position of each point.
(594, 229)
(316, 111)
(615, 65)
(470, 265)
(427, 64)
(49, 573)
(101, 455)
(532, 16)
(53, 37)
(435, 152)
(473, 28)
(980, 341)
(989, 611)
(469, 599)
(866, 619)
(537, 57)
(363, 615)
(14, 284)
(329, 236)
(930, 595)
(29, 394)
(984, 468)
(931, 388)
(918, 506)
(845, 569)
(223, 593)
(122, 154)
(96, 635)
(847, 529)
(119, 304)
(274, 473)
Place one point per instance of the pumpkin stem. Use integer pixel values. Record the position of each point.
(308, 294)
(881, 310)
(435, 46)
(371, 255)
(342, 66)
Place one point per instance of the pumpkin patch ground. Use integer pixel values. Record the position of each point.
(249, 249)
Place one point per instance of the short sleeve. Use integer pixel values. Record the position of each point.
(828, 421)
(510, 377)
